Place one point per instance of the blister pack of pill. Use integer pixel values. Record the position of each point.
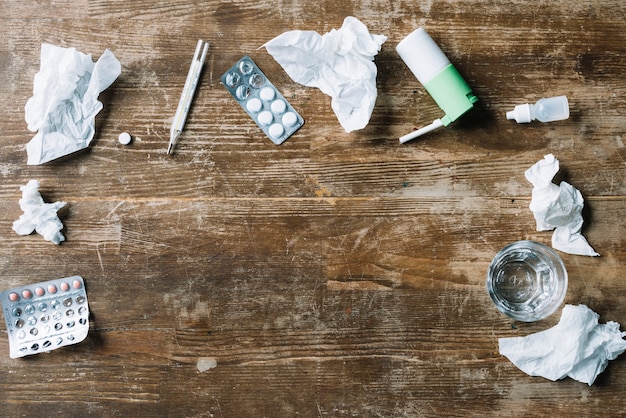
(261, 100)
(45, 316)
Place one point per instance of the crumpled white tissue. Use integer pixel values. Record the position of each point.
(578, 347)
(339, 63)
(65, 102)
(557, 207)
(39, 216)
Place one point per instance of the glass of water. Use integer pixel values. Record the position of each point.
(527, 281)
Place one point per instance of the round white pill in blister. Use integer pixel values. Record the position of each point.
(278, 106)
(289, 119)
(267, 94)
(276, 130)
(254, 105)
(265, 117)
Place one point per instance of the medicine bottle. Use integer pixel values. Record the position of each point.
(439, 77)
(545, 110)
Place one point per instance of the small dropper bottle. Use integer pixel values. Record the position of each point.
(545, 110)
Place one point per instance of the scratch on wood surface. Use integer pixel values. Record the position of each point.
(114, 209)
(313, 185)
(100, 259)
(461, 306)
(359, 237)
(336, 285)
(318, 359)
(210, 69)
(291, 243)
(186, 308)
(108, 160)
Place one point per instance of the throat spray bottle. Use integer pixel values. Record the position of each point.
(438, 76)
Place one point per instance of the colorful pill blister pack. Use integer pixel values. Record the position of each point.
(261, 100)
(45, 316)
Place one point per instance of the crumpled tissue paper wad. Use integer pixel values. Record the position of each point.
(578, 347)
(39, 216)
(557, 208)
(339, 63)
(65, 102)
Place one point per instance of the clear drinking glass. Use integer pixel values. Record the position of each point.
(527, 281)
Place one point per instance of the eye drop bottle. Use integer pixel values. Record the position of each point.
(545, 110)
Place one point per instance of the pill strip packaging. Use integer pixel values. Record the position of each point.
(261, 100)
(45, 316)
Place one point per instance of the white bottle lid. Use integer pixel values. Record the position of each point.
(422, 55)
(521, 114)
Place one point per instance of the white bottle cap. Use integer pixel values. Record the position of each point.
(521, 114)
(422, 55)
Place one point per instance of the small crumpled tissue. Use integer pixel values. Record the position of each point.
(578, 347)
(340, 63)
(39, 216)
(558, 208)
(65, 102)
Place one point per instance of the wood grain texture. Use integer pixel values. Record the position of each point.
(337, 274)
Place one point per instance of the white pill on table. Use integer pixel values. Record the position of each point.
(254, 105)
(276, 130)
(289, 119)
(267, 94)
(265, 117)
(278, 106)
(124, 138)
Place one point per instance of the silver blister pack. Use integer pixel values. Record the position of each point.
(261, 100)
(44, 316)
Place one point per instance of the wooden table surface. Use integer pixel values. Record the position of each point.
(338, 274)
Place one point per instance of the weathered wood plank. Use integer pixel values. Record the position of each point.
(337, 274)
